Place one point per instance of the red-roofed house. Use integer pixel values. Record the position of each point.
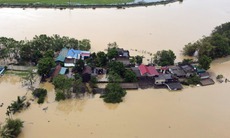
(149, 71)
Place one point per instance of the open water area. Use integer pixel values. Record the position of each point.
(194, 112)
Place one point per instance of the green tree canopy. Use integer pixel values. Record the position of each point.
(62, 82)
(113, 93)
(12, 128)
(139, 59)
(117, 67)
(204, 62)
(130, 76)
(101, 60)
(79, 66)
(164, 58)
(45, 65)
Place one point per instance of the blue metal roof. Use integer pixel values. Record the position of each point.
(63, 71)
(73, 53)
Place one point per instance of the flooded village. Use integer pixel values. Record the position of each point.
(159, 100)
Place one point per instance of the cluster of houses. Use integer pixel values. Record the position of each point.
(147, 75)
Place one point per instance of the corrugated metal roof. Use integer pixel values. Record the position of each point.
(63, 71)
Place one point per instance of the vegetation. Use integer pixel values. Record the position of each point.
(117, 67)
(138, 59)
(31, 51)
(164, 58)
(113, 93)
(112, 51)
(79, 66)
(204, 62)
(29, 79)
(220, 76)
(40, 93)
(130, 76)
(11, 129)
(193, 80)
(216, 45)
(16, 106)
(62, 86)
(45, 65)
(59, 95)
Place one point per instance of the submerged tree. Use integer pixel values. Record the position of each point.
(12, 128)
(164, 58)
(113, 93)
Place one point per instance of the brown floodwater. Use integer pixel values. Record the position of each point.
(194, 112)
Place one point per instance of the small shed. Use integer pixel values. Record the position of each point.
(63, 71)
(208, 81)
(174, 86)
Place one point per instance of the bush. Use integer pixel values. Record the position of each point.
(113, 93)
(11, 129)
(193, 80)
(40, 94)
(60, 96)
(220, 76)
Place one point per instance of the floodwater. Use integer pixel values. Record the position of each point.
(194, 112)
(143, 28)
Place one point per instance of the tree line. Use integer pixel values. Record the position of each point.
(31, 51)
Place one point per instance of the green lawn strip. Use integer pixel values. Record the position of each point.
(65, 2)
(18, 73)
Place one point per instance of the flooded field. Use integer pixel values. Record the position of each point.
(198, 112)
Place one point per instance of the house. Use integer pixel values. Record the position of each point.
(70, 56)
(136, 71)
(204, 75)
(98, 71)
(123, 53)
(123, 56)
(163, 78)
(177, 71)
(149, 71)
(59, 70)
(188, 69)
(208, 81)
(86, 74)
(125, 61)
(62, 55)
(74, 55)
(174, 86)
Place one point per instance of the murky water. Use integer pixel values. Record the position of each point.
(192, 113)
(143, 28)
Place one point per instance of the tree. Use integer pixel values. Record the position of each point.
(101, 59)
(194, 80)
(16, 106)
(79, 66)
(49, 53)
(29, 79)
(164, 58)
(62, 82)
(139, 59)
(40, 93)
(12, 128)
(45, 65)
(190, 49)
(130, 76)
(113, 93)
(117, 67)
(112, 53)
(84, 44)
(204, 62)
(114, 77)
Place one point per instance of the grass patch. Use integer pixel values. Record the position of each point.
(18, 73)
(64, 2)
